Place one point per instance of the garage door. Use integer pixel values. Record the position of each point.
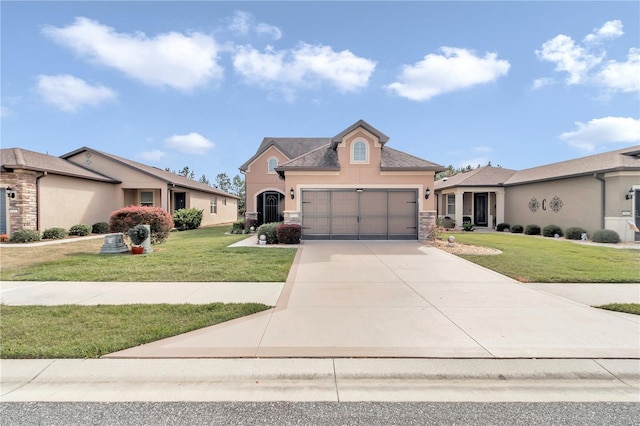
(374, 214)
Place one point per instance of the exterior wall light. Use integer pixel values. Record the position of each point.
(10, 192)
(427, 193)
(629, 195)
(292, 193)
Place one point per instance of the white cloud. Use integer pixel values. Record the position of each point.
(152, 156)
(306, 65)
(610, 29)
(603, 131)
(482, 149)
(455, 69)
(584, 64)
(539, 83)
(192, 143)
(70, 93)
(172, 59)
(622, 76)
(243, 23)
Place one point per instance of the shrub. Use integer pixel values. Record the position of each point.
(159, 219)
(605, 236)
(237, 228)
(100, 228)
(248, 223)
(269, 231)
(446, 222)
(25, 236)
(502, 226)
(54, 234)
(184, 219)
(532, 230)
(288, 233)
(138, 234)
(467, 226)
(575, 233)
(80, 230)
(516, 229)
(552, 231)
(4, 238)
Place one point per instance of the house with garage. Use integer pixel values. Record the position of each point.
(349, 186)
(600, 191)
(41, 191)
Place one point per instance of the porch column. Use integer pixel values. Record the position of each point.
(459, 208)
(499, 205)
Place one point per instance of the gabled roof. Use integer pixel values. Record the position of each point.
(290, 147)
(168, 177)
(18, 158)
(360, 123)
(392, 159)
(482, 176)
(621, 159)
(322, 158)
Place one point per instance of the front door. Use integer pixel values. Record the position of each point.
(271, 201)
(480, 209)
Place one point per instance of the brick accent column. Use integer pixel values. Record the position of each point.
(427, 226)
(292, 217)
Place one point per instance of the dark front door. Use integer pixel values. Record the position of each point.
(480, 209)
(180, 200)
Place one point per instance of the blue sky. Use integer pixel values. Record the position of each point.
(200, 84)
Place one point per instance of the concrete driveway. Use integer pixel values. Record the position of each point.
(404, 299)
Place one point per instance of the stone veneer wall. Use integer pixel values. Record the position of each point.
(292, 218)
(427, 226)
(25, 202)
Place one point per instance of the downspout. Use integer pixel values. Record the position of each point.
(602, 192)
(38, 199)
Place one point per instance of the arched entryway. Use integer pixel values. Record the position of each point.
(270, 206)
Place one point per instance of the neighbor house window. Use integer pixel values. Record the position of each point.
(359, 154)
(451, 204)
(273, 163)
(146, 198)
(214, 204)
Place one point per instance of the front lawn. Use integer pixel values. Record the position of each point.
(537, 259)
(198, 255)
(73, 331)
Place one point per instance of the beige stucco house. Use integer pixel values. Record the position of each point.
(600, 191)
(40, 191)
(350, 186)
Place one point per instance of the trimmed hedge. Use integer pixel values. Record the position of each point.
(100, 228)
(516, 229)
(605, 236)
(552, 231)
(25, 236)
(184, 219)
(532, 230)
(575, 233)
(54, 234)
(269, 231)
(502, 226)
(288, 233)
(237, 228)
(158, 218)
(80, 230)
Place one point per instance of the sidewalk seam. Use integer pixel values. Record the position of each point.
(45, 368)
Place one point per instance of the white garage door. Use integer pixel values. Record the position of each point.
(374, 214)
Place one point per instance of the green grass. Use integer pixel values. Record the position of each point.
(536, 259)
(72, 331)
(629, 308)
(197, 255)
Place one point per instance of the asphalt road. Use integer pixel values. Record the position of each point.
(321, 413)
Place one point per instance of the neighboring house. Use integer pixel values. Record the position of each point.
(40, 191)
(600, 191)
(350, 186)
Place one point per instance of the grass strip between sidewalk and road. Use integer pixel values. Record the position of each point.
(74, 331)
(199, 255)
(627, 308)
(548, 260)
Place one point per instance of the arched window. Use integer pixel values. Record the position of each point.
(272, 164)
(359, 154)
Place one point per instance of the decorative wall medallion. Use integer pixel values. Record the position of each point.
(534, 205)
(556, 204)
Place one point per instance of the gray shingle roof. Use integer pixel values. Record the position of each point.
(392, 159)
(291, 147)
(18, 158)
(360, 123)
(483, 176)
(322, 158)
(168, 177)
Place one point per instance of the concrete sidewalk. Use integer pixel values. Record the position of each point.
(404, 299)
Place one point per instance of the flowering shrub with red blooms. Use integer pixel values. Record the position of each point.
(4, 238)
(157, 218)
(288, 233)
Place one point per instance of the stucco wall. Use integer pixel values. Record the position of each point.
(227, 208)
(563, 202)
(257, 178)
